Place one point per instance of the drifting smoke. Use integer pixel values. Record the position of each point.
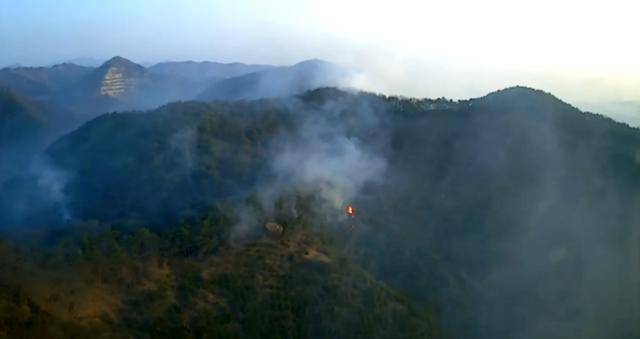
(331, 152)
(247, 224)
(35, 198)
(515, 212)
(323, 159)
(51, 182)
(281, 82)
(183, 143)
(326, 156)
(539, 221)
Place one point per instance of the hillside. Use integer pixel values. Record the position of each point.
(277, 82)
(189, 280)
(120, 84)
(27, 126)
(530, 198)
(512, 215)
(198, 151)
(206, 72)
(23, 131)
(42, 82)
(20, 118)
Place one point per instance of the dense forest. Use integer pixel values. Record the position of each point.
(194, 280)
(508, 216)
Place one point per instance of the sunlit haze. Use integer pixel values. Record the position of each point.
(459, 169)
(582, 51)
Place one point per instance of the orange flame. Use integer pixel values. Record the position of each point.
(351, 211)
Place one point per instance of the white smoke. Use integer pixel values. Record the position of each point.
(183, 143)
(327, 156)
(323, 160)
(51, 182)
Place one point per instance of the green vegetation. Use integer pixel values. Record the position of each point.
(180, 159)
(189, 281)
(20, 119)
(513, 215)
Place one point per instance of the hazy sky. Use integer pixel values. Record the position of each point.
(583, 51)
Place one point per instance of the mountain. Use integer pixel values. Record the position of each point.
(278, 82)
(206, 72)
(116, 78)
(24, 129)
(121, 84)
(86, 61)
(529, 198)
(20, 118)
(41, 82)
(27, 183)
(189, 147)
(194, 280)
(201, 152)
(625, 111)
(515, 213)
(72, 94)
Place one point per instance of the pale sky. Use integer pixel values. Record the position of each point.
(582, 51)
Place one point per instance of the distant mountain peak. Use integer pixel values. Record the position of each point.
(13, 66)
(118, 75)
(63, 64)
(314, 63)
(68, 65)
(118, 60)
(519, 89)
(524, 98)
(206, 71)
(123, 63)
(279, 81)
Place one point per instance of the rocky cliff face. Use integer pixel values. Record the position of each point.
(118, 76)
(115, 83)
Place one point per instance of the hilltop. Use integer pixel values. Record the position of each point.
(499, 215)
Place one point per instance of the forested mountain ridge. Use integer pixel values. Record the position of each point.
(278, 82)
(19, 116)
(502, 215)
(26, 127)
(194, 280)
(206, 71)
(42, 82)
(119, 84)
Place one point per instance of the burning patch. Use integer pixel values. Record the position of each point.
(351, 211)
